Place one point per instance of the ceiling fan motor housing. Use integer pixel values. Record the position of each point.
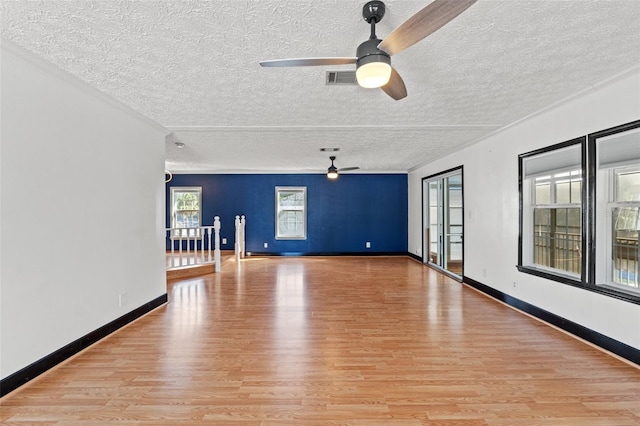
(373, 66)
(368, 52)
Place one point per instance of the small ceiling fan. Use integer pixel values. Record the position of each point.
(332, 171)
(373, 57)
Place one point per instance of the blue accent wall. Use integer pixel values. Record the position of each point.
(342, 214)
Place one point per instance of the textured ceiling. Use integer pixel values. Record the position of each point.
(192, 66)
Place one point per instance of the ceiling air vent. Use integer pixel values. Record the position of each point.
(341, 77)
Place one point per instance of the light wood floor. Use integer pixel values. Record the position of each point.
(328, 341)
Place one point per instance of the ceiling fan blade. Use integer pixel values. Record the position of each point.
(346, 169)
(307, 62)
(395, 87)
(425, 22)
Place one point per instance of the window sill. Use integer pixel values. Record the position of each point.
(621, 289)
(606, 290)
(551, 275)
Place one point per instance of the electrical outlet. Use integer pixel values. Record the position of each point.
(122, 299)
(266, 245)
(368, 244)
(224, 241)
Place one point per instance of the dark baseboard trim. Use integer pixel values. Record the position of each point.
(321, 253)
(621, 349)
(20, 377)
(414, 257)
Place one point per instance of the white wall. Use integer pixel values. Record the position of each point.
(82, 209)
(491, 205)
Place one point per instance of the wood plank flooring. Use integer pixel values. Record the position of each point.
(332, 341)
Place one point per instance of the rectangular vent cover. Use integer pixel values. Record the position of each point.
(341, 77)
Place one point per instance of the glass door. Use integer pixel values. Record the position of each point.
(443, 222)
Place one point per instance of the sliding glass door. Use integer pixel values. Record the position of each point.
(443, 222)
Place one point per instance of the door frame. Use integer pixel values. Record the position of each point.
(426, 249)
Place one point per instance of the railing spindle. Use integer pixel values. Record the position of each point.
(237, 244)
(209, 240)
(242, 237)
(195, 245)
(170, 260)
(216, 251)
(180, 245)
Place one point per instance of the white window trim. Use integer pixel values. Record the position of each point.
(279, 235)
(190, 233)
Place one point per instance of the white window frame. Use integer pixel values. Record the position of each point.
(553, 180)
(281, 233)
(610, 237)
(185, 231)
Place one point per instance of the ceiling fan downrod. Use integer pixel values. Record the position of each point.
(372, 12)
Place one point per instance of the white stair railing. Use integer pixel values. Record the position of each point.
(188, 248)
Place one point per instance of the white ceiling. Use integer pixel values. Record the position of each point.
(192, 66)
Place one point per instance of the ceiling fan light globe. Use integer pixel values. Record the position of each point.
(332, 174)
(373, 67)
(373, 74)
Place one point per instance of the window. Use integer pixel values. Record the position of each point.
(291, 213)
(580, 212)
(617, 200)
(186, 211)
(552, 206)
(557, 221)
